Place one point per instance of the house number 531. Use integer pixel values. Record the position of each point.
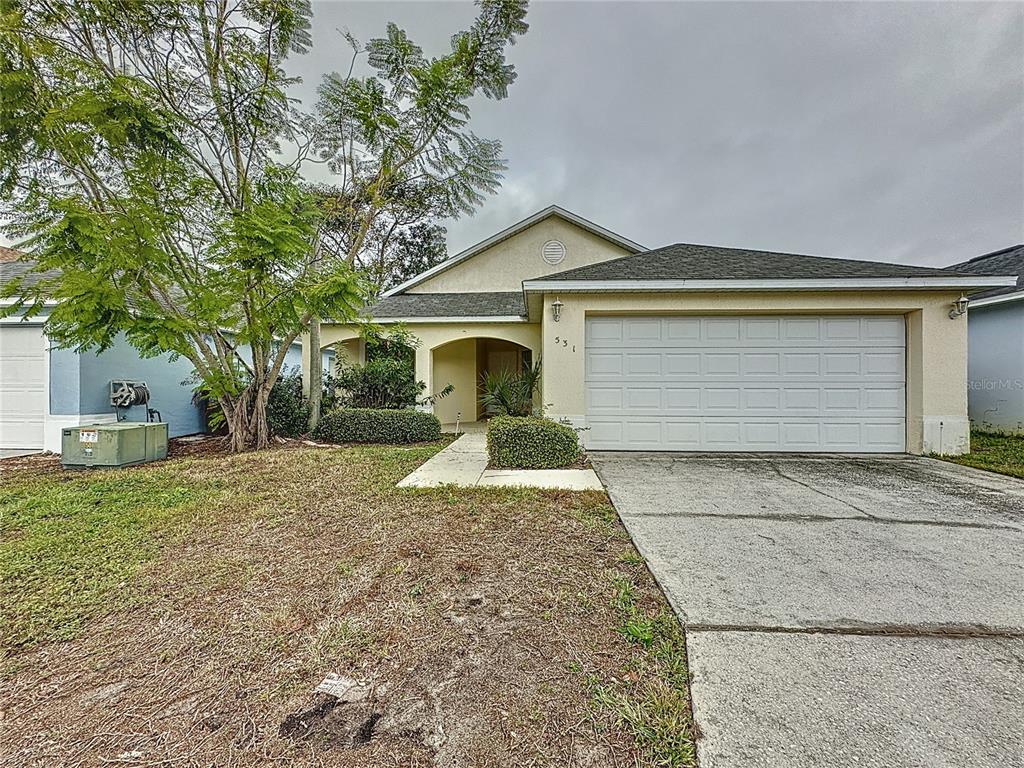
(563, 342)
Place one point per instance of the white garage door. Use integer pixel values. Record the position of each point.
(23, 397)
(799, 383)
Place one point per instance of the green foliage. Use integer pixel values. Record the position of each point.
(414, 250)
(287, 409)
(383, 383)
(151, 161)
(144, 175)
(531, 443)
(510, 393)
(69, 549)
(370, 425)
(397, 343)
(399, 142)
(388, 378)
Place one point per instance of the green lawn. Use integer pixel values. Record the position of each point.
(184, 612)
(70, 546)
(997, 453)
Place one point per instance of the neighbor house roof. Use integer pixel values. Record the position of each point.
(515, 229)
(11, 268)
(462, 305)
(684, 265)
(1007, 261)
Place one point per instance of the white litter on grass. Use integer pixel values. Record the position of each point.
(343, 688)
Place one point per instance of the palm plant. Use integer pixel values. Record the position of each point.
(510, 393)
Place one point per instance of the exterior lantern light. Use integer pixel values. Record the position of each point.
(959, 308)
(556, 309)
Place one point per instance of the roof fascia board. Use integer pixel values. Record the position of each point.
(1002, 299)
(505, 234)
(454, 319)
(823, 284)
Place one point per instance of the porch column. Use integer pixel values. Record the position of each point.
(425, 373)
(306, 357)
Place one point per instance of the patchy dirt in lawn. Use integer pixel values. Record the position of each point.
(480, 625)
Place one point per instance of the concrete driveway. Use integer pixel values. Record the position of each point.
(840, 611)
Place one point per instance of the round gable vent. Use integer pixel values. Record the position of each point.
(553, 252)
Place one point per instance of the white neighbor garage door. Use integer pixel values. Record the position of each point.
(758, 383)
(22, 388)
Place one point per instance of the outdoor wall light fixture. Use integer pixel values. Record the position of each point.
(959, 308)
(556, 309)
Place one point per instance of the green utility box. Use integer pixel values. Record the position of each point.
(113, 445)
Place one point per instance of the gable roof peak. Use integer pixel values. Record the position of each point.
(515, 229)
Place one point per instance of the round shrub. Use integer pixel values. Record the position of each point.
(526, 442)
(378, 425)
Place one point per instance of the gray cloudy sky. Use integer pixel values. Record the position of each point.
(890, 131)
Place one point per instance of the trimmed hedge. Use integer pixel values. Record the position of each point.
(378, 425)
(527, 442)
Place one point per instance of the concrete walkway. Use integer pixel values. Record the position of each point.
(464, 463)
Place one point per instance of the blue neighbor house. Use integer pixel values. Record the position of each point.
(44, 389)
(995, 328)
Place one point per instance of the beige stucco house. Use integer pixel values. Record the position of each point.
(694, 348)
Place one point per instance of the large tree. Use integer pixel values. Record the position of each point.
(398, 139)
(152, 164)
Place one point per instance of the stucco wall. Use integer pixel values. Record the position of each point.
(504, 266)
(455, 364)
(936, 349)
(170, 390)
(996, 367)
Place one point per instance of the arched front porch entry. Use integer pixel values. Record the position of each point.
(463, 363)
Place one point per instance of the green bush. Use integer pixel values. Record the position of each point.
(378, 425)
(287, 409)
(382, 383)
(510, 393)
(526, 442)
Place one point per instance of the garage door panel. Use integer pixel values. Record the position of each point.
(23, 394)
(642, 330)
(721, 364)
(767, 400)
(682, 435)
(604, 364)
(761, 364)
(761, 436)
(885, 364)
(643, 398)
(763, 329)
(882, 435)
(681, 365)
(681, 329)
(747, 383)
(19, 369)
(642, 364)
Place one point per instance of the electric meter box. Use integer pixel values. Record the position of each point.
(113, 445)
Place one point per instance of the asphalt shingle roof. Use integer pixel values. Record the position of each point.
(494, 304)
(684, 261)
(10, 269)
(1008, 261)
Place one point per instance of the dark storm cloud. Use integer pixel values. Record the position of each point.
(864, 130)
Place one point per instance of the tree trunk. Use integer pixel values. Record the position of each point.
(236, 416)
(316, 373)
(246, 418)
